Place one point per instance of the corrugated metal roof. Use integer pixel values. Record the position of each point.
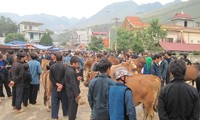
(180, 46)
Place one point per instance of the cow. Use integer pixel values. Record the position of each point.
(146, 89)
(46, 82)
(139, 62)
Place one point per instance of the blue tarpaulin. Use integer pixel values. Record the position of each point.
(24, 45)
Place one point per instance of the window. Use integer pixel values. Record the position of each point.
(31, 35)
(185, 23)
(191, 41)
(198, 41)
(30, 27)
(169, 39)
(25, 27)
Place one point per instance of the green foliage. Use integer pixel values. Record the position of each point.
(124, 40)
(46, 40)
(96, 44)
(14, 37)
(153, 34)
(7, 26)
(141, 39)
(196, 53)
(49, 31)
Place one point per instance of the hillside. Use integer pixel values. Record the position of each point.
(55, 23)
(118, 10)
(166, 13)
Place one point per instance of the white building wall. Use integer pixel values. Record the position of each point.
(84, 36)
(35, 28)
(172, 35)
(194, 37)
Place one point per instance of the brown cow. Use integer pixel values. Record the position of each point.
(113, 60)
(193, 74)
(89, 74)
(130, 65)
(139, 62)
(46, 82)
(146, 89)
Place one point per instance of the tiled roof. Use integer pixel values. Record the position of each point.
(180, 46)
(182, 15)
(135, 21)
(99, 33)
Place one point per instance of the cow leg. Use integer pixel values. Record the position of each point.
(48, 105)
(149, 111)
(145, 112)
(193, 83)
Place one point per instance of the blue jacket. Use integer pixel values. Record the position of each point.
(155, 70)
(35, 70)
(163, 68)
(98, 96)
(121, 94)
(67, 59)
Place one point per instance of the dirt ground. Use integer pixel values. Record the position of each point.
(39, 111)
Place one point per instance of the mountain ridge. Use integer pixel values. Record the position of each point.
(106, 15)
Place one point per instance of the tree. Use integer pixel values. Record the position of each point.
(46, 40)
(96, 44)
(152, 36)
(49, 31)
(7, 26)
(127, 40)
(14, 37)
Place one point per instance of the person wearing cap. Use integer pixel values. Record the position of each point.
(27, 84)
(53, 59)
(71, 83)
(121, 106)
(16, 82)
(10, 57)
(4, 78)
(178, 100)
(98, 91)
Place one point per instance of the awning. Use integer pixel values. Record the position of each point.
(180, 46)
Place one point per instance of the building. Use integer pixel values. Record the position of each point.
(182, 29)
(102, 35)
(31, 31)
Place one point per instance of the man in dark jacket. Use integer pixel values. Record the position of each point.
(72, 81)
(4, 78)
(178, 100)
(16, 82)
(163, 68)
(155, 68)
(98, 91)
(57, 73)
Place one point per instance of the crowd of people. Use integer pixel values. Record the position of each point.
(108, 99)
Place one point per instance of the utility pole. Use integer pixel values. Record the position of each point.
(116, 21)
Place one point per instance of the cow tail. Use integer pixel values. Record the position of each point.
(155, 107)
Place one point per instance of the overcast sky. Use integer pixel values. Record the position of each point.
(68, 8)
